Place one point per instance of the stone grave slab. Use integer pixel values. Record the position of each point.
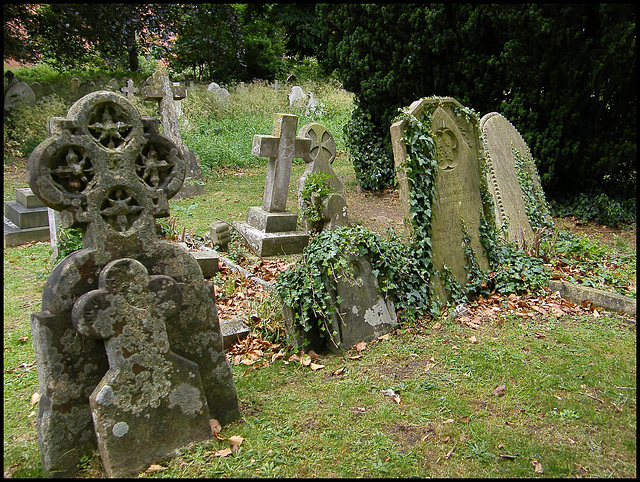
(271, 229)
(458, 202)
(110, 172)
(165, 94)
(25, 219)
(322, 154)
(510, 164)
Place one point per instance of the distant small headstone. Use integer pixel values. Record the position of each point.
(129, 89)
(297, 96)
(313, 106)
(47, 88)
(458, 209)
(18, 93)
(74, 85)
(113, 85)
(513, 180)
(222, 93)
(37, 88)
(212, 87)
(25, 219)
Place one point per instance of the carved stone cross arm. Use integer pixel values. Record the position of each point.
(280, 147)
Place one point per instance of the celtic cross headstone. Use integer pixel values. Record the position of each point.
(111, 173)
(322, 153)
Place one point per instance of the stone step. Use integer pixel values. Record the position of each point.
(15, 236)
(26, 218)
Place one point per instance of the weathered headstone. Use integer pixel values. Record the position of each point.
(520, 209)
(18, 93)
(74, 84)
(297, 96)
(149, 394)
(110, 173)
(333, 206)
(222, 93)
(37, 89)
(47, 88)
(25, 219)
(220, 234)
(113, 85)
(165, 94)
(313, 106)
(271, 229)
(458, 208)
(54, 231)
(363, 313)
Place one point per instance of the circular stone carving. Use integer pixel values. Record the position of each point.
(323, 147)
(447, 149)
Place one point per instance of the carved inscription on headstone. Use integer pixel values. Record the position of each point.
(458, 205)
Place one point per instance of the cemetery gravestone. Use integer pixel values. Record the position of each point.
(458, 205)
(18, 93)
(519, 210)
(110, 173)
(129, 89)
(333, 207)
(25, 219)
(113, 85)
(271, 229)
(74, 84)
(297, 96)
(37, 89)
(162, 92)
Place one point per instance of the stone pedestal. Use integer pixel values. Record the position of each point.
(25, 219)
(272, 234)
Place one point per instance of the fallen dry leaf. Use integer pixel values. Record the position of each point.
(360, 346)
(436, 326)
(223, 453)
(306, 360)
(236, 441)
(22, 339)
(35, 398)
(215, 426)
(338, 371)
(153, 468)
(499, 390)
(315, 366)
(473, 339)
(537, 467)
(448, 421)
(294, 357)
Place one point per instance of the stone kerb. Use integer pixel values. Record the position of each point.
(501, 141)
(322, 152)
(458, 208)
(110, 173)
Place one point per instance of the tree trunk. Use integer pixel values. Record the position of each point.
(134, 65)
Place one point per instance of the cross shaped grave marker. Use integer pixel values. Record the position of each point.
(111, 173)
(146, 382)
(270, 230)
(165, 94)
(129, 89)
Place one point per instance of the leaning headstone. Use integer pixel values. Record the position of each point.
(54, 231)
(458, 208)
(25, 219)
(513, 181)
(332, 208)
(213, 86)
(165, 94)
(271, 230)
(362, 312)
(220, 235)
(297, 96)
(18, 93)
(114, 311)
(47, 88)
(220, 92)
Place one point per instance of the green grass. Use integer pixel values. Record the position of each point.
(569, 401)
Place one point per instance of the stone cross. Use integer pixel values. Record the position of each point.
(149, 392)
(129, 89)
(165, 94)
(280, 147)
(111, 173)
